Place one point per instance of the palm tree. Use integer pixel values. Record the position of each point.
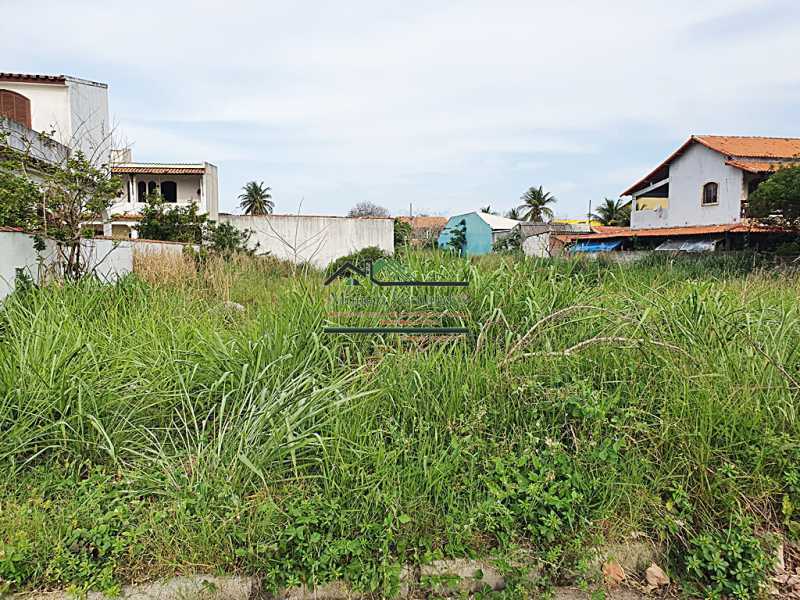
(514, 213)
(256, 199)
(534, 204)
(613, 212)
(487, 210)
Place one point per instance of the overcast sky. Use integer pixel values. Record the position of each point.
(446, 105)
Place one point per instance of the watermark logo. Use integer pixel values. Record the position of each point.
(382, 297)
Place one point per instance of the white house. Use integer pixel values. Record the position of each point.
(74, 111)
(707, 181)
(180, 184)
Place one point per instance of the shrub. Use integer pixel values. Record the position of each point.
(360, 259)
(731, 563)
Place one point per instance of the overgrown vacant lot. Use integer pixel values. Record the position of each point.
(149, 430)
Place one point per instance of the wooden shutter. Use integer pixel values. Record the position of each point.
(16, 107)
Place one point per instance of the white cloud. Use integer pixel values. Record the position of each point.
(445, 102)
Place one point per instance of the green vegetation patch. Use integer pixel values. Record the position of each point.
(149, 429)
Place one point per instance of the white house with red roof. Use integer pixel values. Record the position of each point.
(73, 111)
(707, 181)
(180, 184)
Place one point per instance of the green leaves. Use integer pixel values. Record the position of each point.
(777, 200)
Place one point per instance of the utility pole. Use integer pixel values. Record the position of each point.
(410, 212)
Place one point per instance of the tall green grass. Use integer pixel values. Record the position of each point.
(148, 429)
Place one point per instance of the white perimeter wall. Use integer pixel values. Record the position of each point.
(110, 259)
(318, 240)
(687, 175)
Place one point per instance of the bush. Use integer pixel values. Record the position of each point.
(167, 223)
(360, 259)
(731, 563)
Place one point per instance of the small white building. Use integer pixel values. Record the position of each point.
(707, 181)
(181, 184)
(73, 111)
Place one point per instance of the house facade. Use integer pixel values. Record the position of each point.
(73, 111)
(481, 231)
(180, 184)
(707, 181)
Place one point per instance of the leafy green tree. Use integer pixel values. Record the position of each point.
(256, 199)
(19, 199)
(613, 212)
(535, 203)
(402, 233)
(75, 192)
(777, 200)
(458, 237)
(169, 223)
(226, 240)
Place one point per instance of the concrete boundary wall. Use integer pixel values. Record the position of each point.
(454, 578)
(318, 240)
(108, 258)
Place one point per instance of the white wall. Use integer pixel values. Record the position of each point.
(110, 259)
(89, 119)
(211, 191)
(687, 175)
(319, 240)
(16, 251)
(537, 245)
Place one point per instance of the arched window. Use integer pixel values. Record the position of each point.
(141, 192)
(152, 188)
(15, 107)
(710, 193)
(169, 189)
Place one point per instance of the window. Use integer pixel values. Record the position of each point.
(169, 189)
(141, 192)
(15, 107)
(152, 188)
(710, 193)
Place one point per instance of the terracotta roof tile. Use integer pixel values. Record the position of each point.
(29, 78)
(752, 147)
(158, 170)
(617, 232)
(729, 145)
(757, 166)
(425, 222)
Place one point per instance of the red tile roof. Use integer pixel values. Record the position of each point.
(425, 222)
(760, 166)
(616, 232)
(731, 146)
(752, 147)
(158, 170)
(28, 78)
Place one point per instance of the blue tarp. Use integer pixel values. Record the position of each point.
(595, 245)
